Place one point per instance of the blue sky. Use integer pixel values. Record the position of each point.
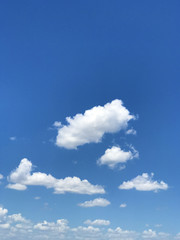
(111, 172)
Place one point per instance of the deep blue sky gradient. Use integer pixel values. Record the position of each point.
(60, 58)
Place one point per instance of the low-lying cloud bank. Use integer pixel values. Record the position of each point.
(17, 227)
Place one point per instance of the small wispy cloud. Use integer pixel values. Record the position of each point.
(97, 202)
(37, 198)
(123, 205)
(12, 138)
(131, 131)
(158, 225)
(98, 222)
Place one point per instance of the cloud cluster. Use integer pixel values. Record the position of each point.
(148, 234)
(115, 155)
(97, 202)
(144, 182)
(10, 221)
(21, 177)
(93, 124)
(119, 233)
(17, 218)
(61, 225)
(15, 226)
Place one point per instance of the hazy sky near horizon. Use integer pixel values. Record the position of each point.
(89, 99)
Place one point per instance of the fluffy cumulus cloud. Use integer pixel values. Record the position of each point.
(93, 124)
(115, 155)
(97, 202)
(22, 177)
(1, 176)
(99, 222)
(144, 182)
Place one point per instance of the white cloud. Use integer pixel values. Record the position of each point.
(148, 234)
(60, 225)
(8, 222)
(119, 233)
(163, 235)
(177, 236)
(93, 124)
(4, 225)
(1, 176)
(115, 155)
(57, 124)
(86, 233)
(131, 131)
(21, 177)
(97, 202)
(158, 225)
(17, 218)
(144, 182)
(12, 138)
(98, 222)
(3, 211)
(17, 186)
(123, 205)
